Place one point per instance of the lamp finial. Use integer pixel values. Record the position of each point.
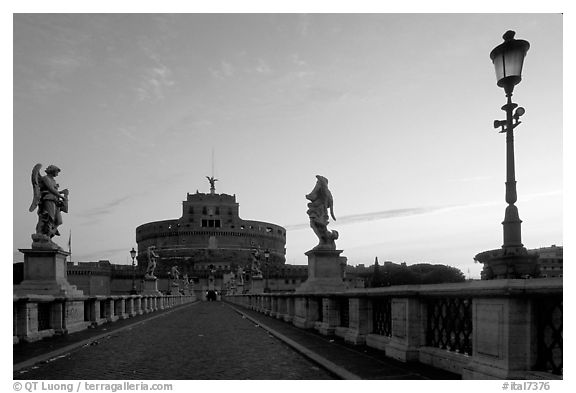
(509, 35)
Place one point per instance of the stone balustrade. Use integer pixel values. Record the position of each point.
(493, 329)
(40, 316)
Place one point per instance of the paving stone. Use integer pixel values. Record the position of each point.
(206, 341)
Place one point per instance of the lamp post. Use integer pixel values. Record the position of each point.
(133, 255)
(512, 260)
(508, 59)
(267, 258)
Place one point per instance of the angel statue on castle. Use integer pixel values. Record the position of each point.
(212, 182)
(50, 202)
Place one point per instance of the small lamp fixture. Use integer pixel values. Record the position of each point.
(508, 59)
(133, 253)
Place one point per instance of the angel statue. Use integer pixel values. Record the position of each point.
(240, 275)
(152, 256)
(50, 203)
(175, 273)
(212, 181)
(255, 267)
(320, 202)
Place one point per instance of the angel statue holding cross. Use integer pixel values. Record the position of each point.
(50, 202)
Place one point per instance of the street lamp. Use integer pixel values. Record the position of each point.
(512, 261)
(133, 255)
(267, 258)
(508, 59)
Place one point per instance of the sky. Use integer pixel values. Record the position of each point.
(396, 110)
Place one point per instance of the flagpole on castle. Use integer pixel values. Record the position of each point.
(70, 245)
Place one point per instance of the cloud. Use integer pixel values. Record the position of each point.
(127, 133)
(414, 211)
(262, 67)
(65, 64)
(43, 78)
(303, 24)
(154, 82)
(223, 71)
(325, 94)
(538, 195)
(107, 208)
(471, 179)
(189, 124)
(297, 60)
(379, 215)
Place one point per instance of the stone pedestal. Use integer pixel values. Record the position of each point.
(151, 287)
(211, 282)
(512, 262)
(256, 285)
(74, 316)
(504, 345)
(174, 288)
(45, 274)
(325, 272)
(360, 321)
(306, 312)
(406, 337)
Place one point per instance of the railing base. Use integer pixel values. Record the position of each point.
(341, 331)
(400, 351)
(324, 329)
(377, 341)
(75, 327)
(37, 336)
(442, 359)
(303, 323)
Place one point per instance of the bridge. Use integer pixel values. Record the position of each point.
(495, 329)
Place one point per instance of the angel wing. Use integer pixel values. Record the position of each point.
(35, 187)
(330, 203)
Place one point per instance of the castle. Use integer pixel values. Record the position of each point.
(210, 235)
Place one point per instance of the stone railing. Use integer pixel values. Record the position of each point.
(494, 329)
(40, 316)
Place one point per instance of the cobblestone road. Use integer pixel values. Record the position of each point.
(203, 341)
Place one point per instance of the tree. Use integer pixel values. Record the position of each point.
(421, 273)
(377, 279)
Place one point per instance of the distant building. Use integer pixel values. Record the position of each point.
(550, 260)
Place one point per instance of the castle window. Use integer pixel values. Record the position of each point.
(217, 210)
(268, 230)
(210, 223)
(204, 210)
